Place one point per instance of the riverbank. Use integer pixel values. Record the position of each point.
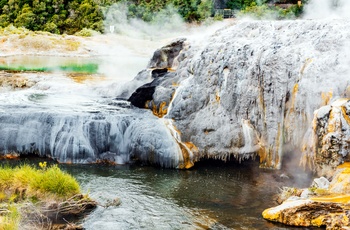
(40, 197)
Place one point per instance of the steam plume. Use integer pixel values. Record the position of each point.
(327, 9)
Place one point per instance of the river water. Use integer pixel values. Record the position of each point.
(210, 196)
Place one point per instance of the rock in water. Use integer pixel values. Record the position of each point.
(327, 207)
(251, 88)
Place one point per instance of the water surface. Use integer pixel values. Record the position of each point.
(211, 196)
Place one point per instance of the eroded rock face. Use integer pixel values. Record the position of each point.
(322, 206)
(251, 88)
(166, 56)
(329, 143)
(161, 69)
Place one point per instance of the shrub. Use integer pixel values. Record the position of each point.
(53, 180)
(71, 45)
(51, 27)
(86, 33)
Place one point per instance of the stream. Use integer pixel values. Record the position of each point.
(211, 196)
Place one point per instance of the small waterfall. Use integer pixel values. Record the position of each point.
(88, 138)
(187, 149)
(251, 140)
(72, 123)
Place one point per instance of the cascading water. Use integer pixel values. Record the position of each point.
(74, 123)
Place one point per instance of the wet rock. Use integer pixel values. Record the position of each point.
(318, 205)
(309, 213)
(142, 95)
(341, 180)
(321, 183)
(158, 93)
(15, 80)
(329, 143)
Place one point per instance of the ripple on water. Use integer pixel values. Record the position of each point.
(141, 208)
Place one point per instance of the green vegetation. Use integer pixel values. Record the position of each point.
(25, 186)
(85, 16)
(9, 217)
(86, 32)
(28, 182)
(271, 11)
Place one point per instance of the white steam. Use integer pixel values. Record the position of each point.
(327, 9)
(166, 22)
(131, 43)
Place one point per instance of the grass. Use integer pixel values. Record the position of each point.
(9, 217)
(26, 181)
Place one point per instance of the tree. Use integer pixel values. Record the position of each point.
(26, 18)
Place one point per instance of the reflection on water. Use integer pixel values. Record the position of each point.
(215, 196)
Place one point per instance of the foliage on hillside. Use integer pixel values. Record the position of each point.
(71, 16)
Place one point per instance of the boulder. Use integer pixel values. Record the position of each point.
(320, 206)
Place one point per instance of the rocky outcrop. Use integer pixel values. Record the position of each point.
(251, 88)
(329, 142)
(323, 204)
(165, 57)
(161, 68)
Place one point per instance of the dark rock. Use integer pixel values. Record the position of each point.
(164, 57)
(142, 95)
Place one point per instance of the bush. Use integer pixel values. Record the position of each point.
(86, 33)
(53, 180)
(51, 27)
(22, 186)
